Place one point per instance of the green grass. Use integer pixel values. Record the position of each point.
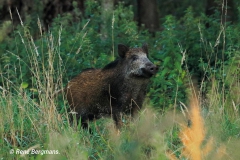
(25, 125)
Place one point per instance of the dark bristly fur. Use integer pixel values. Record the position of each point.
(120, 87)
(111, 65)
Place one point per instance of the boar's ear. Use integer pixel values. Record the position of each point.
(122, 50)
(145, 47)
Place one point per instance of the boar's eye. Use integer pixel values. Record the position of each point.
(134, 57)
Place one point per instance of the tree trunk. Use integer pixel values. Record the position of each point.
(148, 14)
(107, 12)
(52, 8)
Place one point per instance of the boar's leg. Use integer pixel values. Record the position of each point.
(84, 123)
(137, 104)
(83, 119)
(118, 120)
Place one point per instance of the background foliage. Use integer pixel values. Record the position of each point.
(189, 41)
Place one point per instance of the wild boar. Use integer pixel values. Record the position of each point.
(119, 87)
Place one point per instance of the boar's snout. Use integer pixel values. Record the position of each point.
(149, 70)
